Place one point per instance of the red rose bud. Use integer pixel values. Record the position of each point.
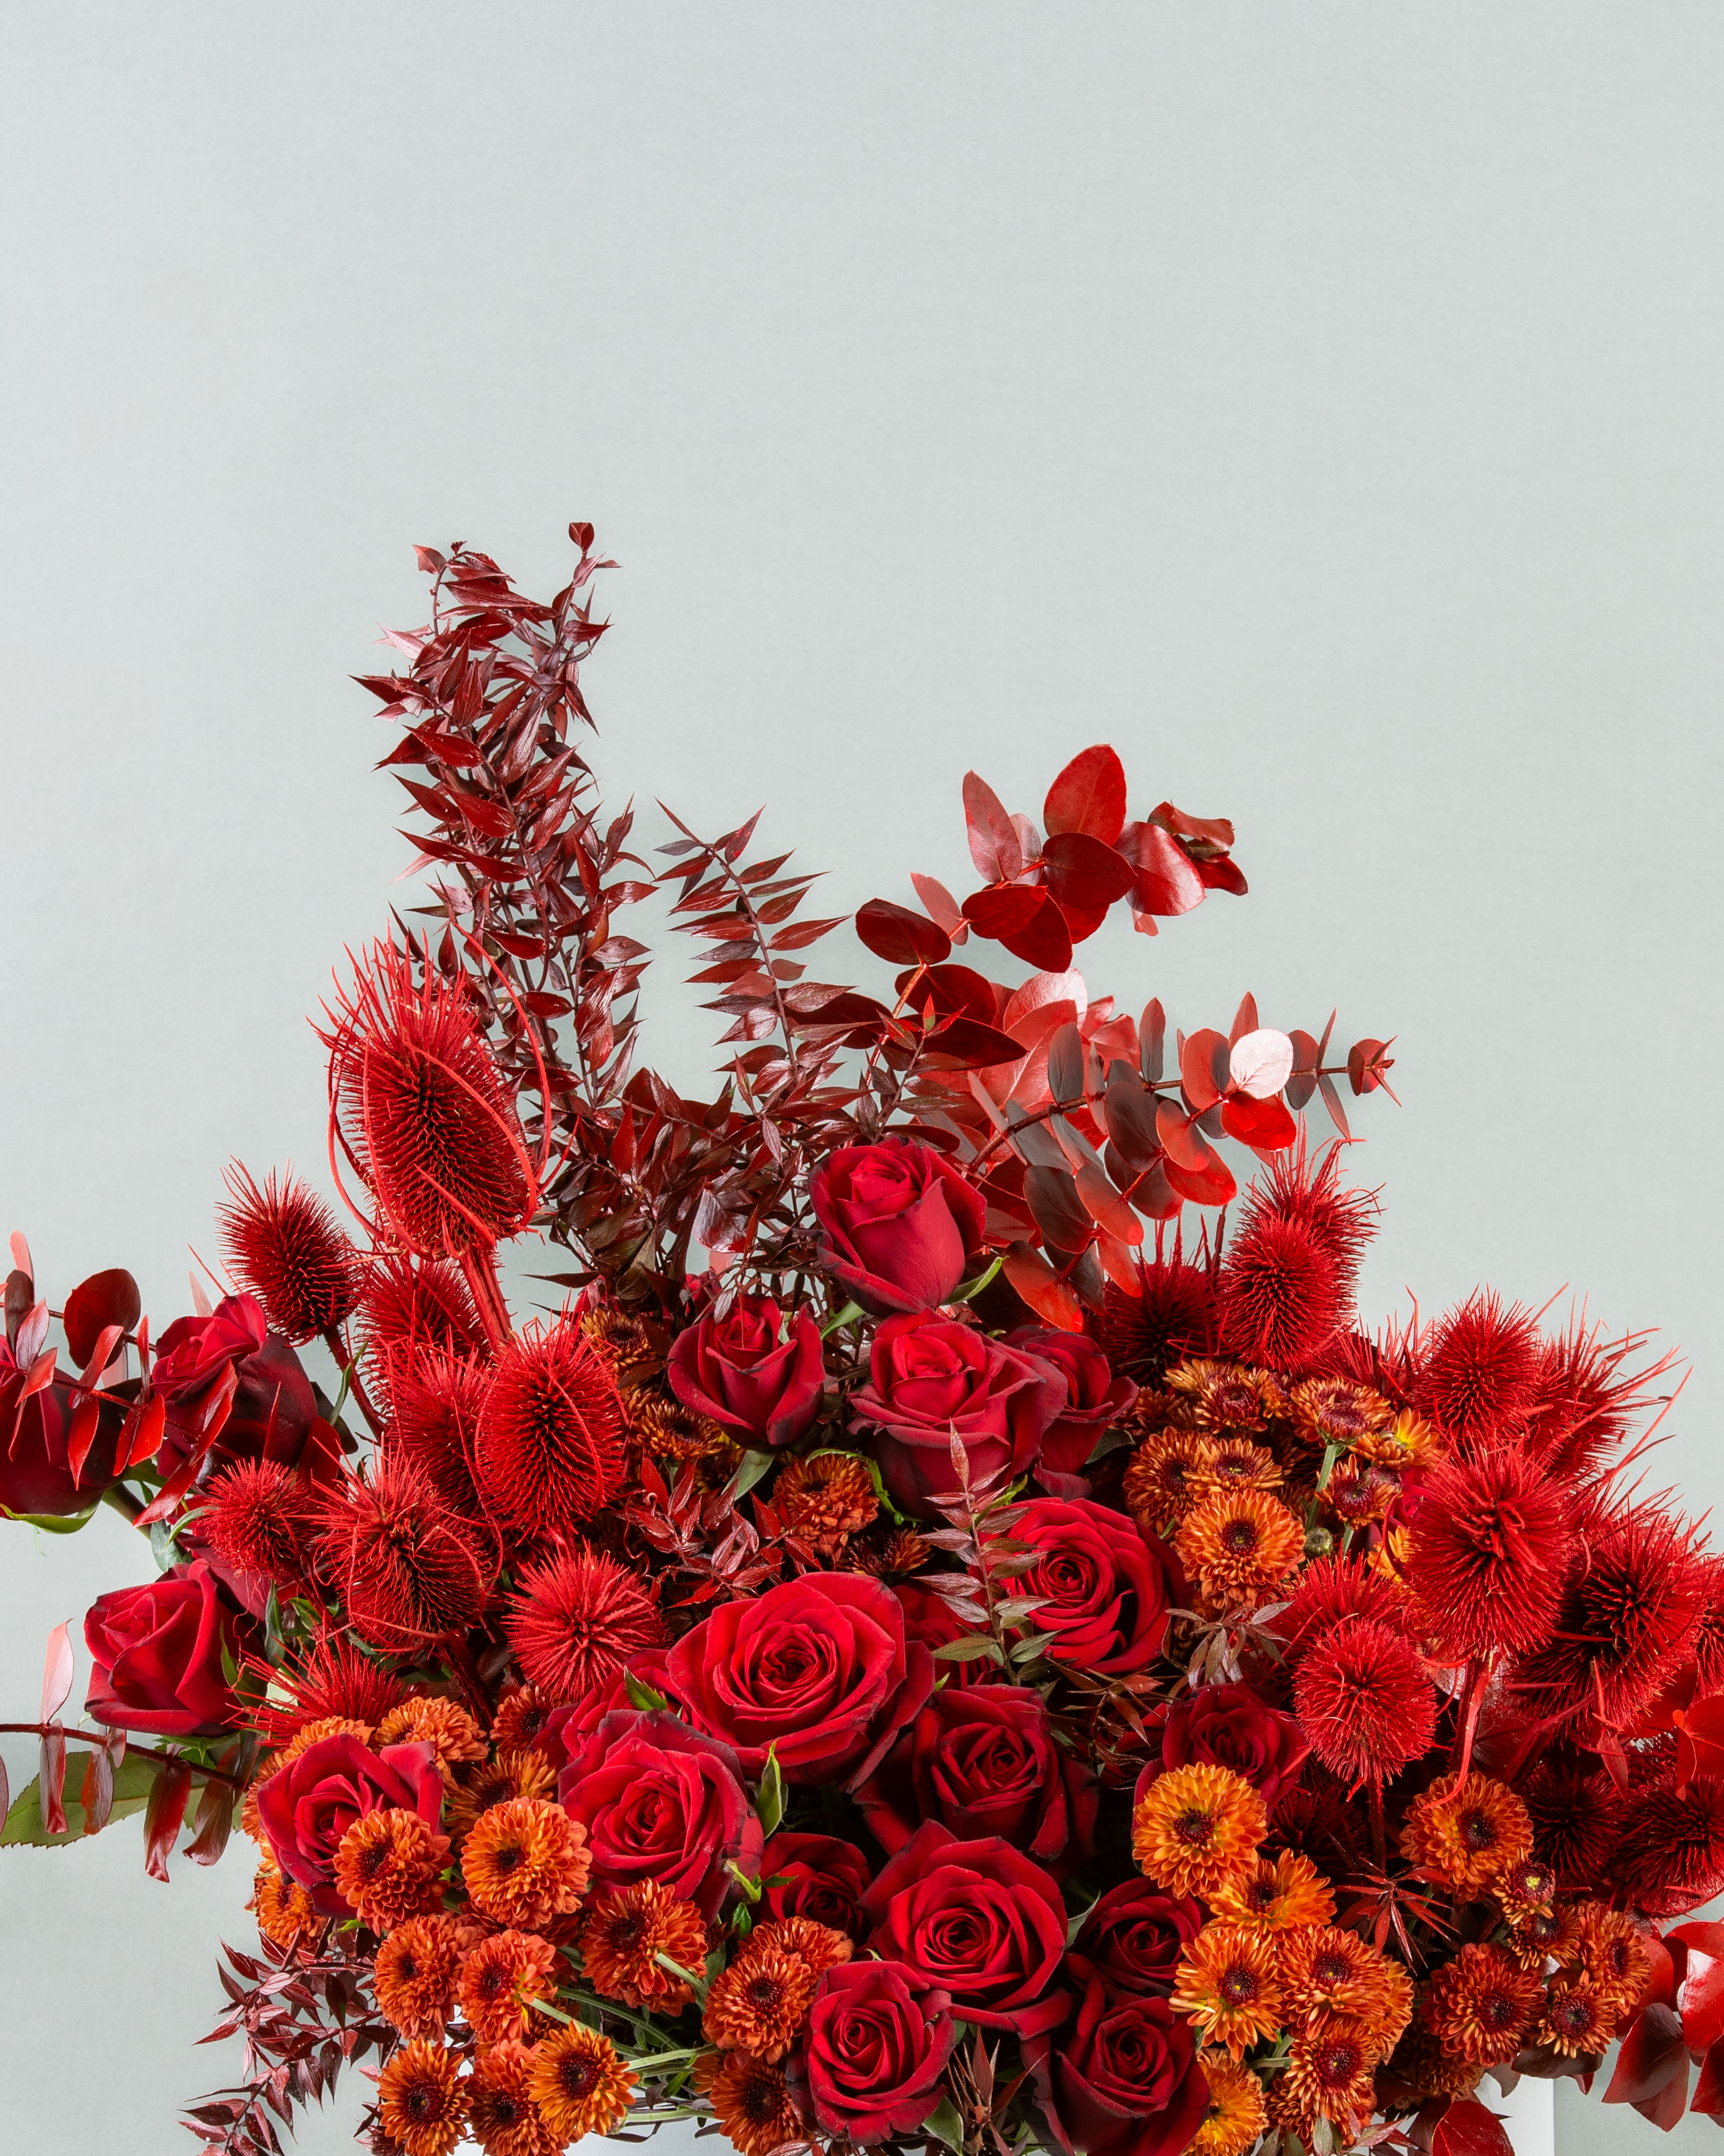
(1095, 1399)
(1122, 2079)
(736, 1371)
(307, 1806)
(933, 1380)
(1232, 1726)
(157, 1650)
(820, 1669)
(901, 1223)
(984, 1923)
(870, 2058)
(819, 1877)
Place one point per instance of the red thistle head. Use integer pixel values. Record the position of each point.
(1480, 1377)
(578, 1620)
(1587, 1393)
(422, 1111)
(285, 1247)
(1489, 1552)
(1364, 1701)
(435, 1398)
(260, 1517)
(550, 1445)
(409, 1308)
(333, 1680)
(1172, 1317)
(1287, 1286)
(1576, 1808)
(1332, 1589)
(1670, 1850)
(410, 1570)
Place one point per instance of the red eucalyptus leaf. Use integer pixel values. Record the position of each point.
(1244, 1019)
(965, 1044)
(1088, 797)
(1303, 1082)
(1180, 1139)
(1221, 875)
(954, 992)
(164, 1815)
(1332, 1101)
(1202, 1067)
(1080, 871)
(1366, 1065)
(1065, 1064)
(1130, 1114)
(1212, 1185)
(1152, 1040)
(1260, 1061)
(1107, 1208)
(940, 904)
(108, 1298)
(993, 837)
(1164, 880)
(1119, 1262)
(1047, 1295)
(1467, 2128)
(1003, 908)
(1264, 1124)
(1055, 1207)
(1700, 2002)
(1708, 2097)
(1653, 2054)
(903, 938)
(1044, 939)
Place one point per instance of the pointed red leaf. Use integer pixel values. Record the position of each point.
(51, 1781)
(56, 1672)
(965, 1044)
(1244, 1019)
(940, 903)
(86, 1419)
(903, 939)
(1088, 796)
(1467, 2128)
(1165, 882)
(994, 846)
(1107, 1209)
(1652, 2053)
(1152, 1040)
(142, 1435)
(108, 1298)
(1708, 2097)
(164, 1815)
(1047, 1295)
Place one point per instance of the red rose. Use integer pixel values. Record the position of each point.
(1095, 1399)
(308, 1805)
(821, 1667)
(273, 1414)
(662, 1801)
(823, 1879)
(932, 1380)
(901, 1223)
(870, 2058)
(1108, 1586)
(984, 1923)
(569, 1729)
(984, 1762)
(928, 1617)
(1232, 1726)
(736, 1372)
(35, 1436)
(1133, 1937)
(1124, 2080)
(157, 1651)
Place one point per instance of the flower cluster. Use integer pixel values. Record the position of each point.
(925, 1639)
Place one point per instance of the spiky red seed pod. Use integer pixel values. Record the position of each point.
(551, 1436)
(1332, 1589)
(285, 1247)
(1576, 1808)
(1586, 1393)
(435, 1399)
(1670, 1850)
(1287, 1286)
(578, 1620)
(407, 1569)
(1629, 1616)
(260, 1517)
(1489, 1553)
(332, 1680)
(408, 1308)
(1364, 1701)
(1480, 1377)
(423, 1111)
(1172, 1318)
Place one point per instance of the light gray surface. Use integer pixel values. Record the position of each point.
(1320, 403)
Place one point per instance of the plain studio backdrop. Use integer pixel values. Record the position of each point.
(1321, 404)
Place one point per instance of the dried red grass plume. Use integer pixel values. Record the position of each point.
(422, 1111)
(260, 1517)
(1364, 1701)
(434, 1401)
(578, 1620)
(1489, 1551)
(1480, 1377)
(551, 1442)
(285, 1247)
(1670, 1850)
(408, 1310)
(1172, 1317)
(409, 1570)
(1287, 1286)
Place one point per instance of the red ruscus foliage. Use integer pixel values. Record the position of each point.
(1173, 1317)
(1489, 1550)
(551, 1445)
(410, 1570)
(1480, 1377)
(260, 1517)
(578, 1620)
(1364, 1700)
(1287, 1286)
(284, 1246)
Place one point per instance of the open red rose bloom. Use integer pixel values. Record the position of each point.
(943, 1629)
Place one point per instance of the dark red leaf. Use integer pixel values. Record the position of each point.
(51, 1780)
(965, 1044)
(1088, 797)
(1047, 1295)
(1221, 875)
(953, 992)
(1212, 1185)
(1152, 1040)
(1003, 908)
(1367, 1063)
(1065, 1064)
(1056, 1206)
(1130, 1114)
(1213, 830)
(1045, 941)
(901, 937)
(1467, 2128)
(1180, 1139)
(1652, 2053)
(1701, 2001)
(1303, 1083)
(1107, 1208)
(1332, 1101)
(1082, 872)
(940, 903)
(1165, 881)
(164, 1814)
(1202, 1067)
(142, 1435)
(1264, 1124)
(1709, 2090)
(97, 1794)
(86, 1418)
(108, 1298)
(214, 1824)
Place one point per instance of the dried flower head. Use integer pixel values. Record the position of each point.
(501, 1979)
(501, 2115)
(1172, 1315)
(448, 1728)
(1241, 1544)
(1226, 1986)
(1489, 1552)
(333, 1680)
(824, 1498)
(1525, 1889)
(415, 1971)
(1479, 1379)
(579, 2085)
(259, 1516)
(1168, 1474)
(511, 1773)
(282, 1907)
(1363, 1699)
(1287, 1287)
(388, 1866)
(550, 1449)
(1236, 2114)
(1361, 1494)
(435, 1396)
(421, 2100)
(409, 1311)
(285, 1247)
(1337, 1411)
(526, 1861)
(409, 1570)
(577, 1619)
(759, 2002)
(519, 1719)
(1576, 1808)
(1332, 1589)
(631, 1344)
(622, 1936)
(1669, 1855)
(750, 2099)
(674, 1433)
(1197, 1827)
(1466, 1834)
(885, 1552)
(1481, 2005)
(1281, 1894)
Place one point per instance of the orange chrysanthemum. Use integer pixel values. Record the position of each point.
(1613, 1953)
(389, 1867)
(1329, 2076)
(1466, 1834)
(759, 2002)
(282, 1907)
(1196, 1829)
(526, 1774)
(632, 1345)
(1421, 2062)
(1542, 1935)
(1167, 1476)
(1335, 1411)
(501, 1979)
(1225, 1395)
(749, 2100)
(1226, 1986)
(672, 1432)
(1235, 1463)
(448, 1729)
(1237, 2112)
(1406, 1442)
(415, 1973)
(1481, 2005)
(421, 2100)
(526, 1861)
(1281, 1894)
(1240, 1543)
(501, 2115)
(1326, 1969)
(1361, 1494)
(821, 1946)
(580, 2084)
(1526, 1888)
(622, 1937)
(825, 1498)
(1577, 2017)
(520, 1717)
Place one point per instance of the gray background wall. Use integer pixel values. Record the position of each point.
(1320, 403)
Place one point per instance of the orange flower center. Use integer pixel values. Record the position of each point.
(1239, 1985)
(1196, 1829)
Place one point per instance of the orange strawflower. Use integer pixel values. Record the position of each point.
(1197, 1829)
(1361, 1494)
(1226, 1986)
(421, 2100)
(502, 1978)
(282, 1907)
(1406, 1442)
(520, 1717)
(389, 1866)
(501, 2116)
(1237, 2112)
(1226, 1395)
(1577, 2017)
(1328, 1970)
(580, 2084)
(1464, 1834)
(1241, 1544)
(749, 2101)
(524, 1863)
(759, 2002)
(512, 1773)
(1329, 2075)
(1166, 1475)
(1542, 1935)
(622, 1936)
(1281, 1894)
(1481, 2005)
(1613, 1953)
(1524, 1889)
(1335, 1411)
(1235, 1463)
(448, 1729)
(415, 1973)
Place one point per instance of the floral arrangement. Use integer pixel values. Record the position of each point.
(943, 1631)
